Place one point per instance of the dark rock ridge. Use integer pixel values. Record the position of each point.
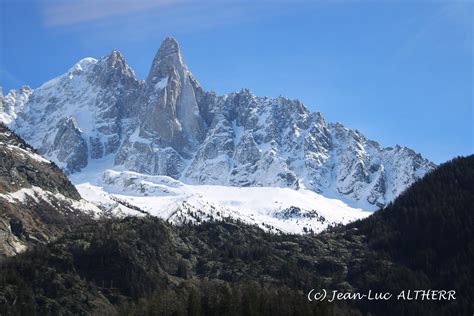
(37, 201)
(168, 125)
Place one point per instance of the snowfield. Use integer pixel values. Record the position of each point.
(284, 210)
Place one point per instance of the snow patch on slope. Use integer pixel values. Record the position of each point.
(38, 194)
(272, 208)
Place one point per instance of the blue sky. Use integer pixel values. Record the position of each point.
(401, 72)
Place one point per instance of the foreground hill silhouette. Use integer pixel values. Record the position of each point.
(429, 231)
(144, 266)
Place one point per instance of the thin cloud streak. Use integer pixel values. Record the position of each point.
(170, 18)
(83, 11)
(80, 12)
(454, 13)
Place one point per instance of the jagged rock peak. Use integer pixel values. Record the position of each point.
(115, 61)
(167, 60)
(169, 47)
(25, 88)
(115, 58)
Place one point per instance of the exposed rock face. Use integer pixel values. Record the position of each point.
(37, 201)
(69, 146)
(171, 101)
(167, 125)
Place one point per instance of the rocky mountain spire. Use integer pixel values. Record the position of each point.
(116, 60)
(167, 60)
(171, 101)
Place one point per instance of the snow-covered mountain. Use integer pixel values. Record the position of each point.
(167, 125)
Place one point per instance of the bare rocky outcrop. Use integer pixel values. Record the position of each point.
(37, 201)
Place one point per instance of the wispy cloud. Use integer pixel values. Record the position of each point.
(81, 11)
(63, 13)
(90, 21)
(455, 13)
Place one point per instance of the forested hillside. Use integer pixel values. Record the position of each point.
(144, 266)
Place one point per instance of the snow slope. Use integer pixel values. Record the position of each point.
(121, 193)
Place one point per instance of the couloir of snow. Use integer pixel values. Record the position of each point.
(121, 193)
